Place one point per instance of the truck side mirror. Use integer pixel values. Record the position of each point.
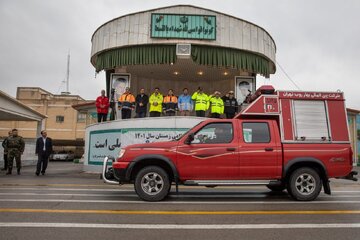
(189, 138)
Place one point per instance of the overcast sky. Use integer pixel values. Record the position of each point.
(317, 41)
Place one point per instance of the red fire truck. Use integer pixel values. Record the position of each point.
(282, 139)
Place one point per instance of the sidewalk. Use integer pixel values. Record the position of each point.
(56, 173)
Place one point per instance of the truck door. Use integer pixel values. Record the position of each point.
(259, 150)
(212, 155)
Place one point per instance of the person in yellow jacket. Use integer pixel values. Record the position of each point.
(156, 100)
(216, 105)
(126, 104)
(201, 101)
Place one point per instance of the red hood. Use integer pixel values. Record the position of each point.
(162, 145)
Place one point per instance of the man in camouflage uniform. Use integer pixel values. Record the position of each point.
(4, 143)
(15, 146)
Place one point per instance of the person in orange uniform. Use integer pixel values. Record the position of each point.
(126, 104)
(170, 103)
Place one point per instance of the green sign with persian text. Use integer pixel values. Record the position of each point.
(183, 26)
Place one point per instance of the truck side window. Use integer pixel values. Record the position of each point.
(214, 133)
(256, 132)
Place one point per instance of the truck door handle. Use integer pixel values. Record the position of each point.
(230, 149)
(269, 149)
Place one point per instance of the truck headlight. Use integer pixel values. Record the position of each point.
(121, 153)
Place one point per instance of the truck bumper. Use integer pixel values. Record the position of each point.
(106, 173)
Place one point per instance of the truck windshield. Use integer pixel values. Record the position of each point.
(178, 138)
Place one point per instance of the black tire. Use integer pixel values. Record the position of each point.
(109, 174)
(304, 184)
(276, 187)
(152, 184)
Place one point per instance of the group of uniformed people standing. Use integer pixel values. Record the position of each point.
(170, 105)
(227, 104)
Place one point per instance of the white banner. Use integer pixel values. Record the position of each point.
(106, 139)
(104, 143)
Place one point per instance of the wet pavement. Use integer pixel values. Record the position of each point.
(67, 203)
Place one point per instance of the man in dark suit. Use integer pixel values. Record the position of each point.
(43, 149)
(142, 101)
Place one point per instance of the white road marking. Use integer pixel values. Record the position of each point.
(180, 202)
(172, 195)
(68, 194)
(180, 226)
(352, 191)
(131, 189)
(70, 189)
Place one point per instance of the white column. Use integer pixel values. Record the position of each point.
(40, 126)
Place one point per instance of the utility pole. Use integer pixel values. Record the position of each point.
(68, 72)
(67, 75)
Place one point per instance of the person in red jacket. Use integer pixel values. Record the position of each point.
(102, 106)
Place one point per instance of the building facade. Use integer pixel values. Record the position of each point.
(88, 111)
(12, 109)
(182, 46)
(62, 122)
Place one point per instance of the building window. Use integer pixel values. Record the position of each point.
(81, 117)
(59, 119)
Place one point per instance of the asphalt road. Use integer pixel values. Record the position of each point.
(69, 204)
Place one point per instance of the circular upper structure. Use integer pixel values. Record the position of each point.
(210, 38)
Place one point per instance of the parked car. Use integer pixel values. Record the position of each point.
(62, 156)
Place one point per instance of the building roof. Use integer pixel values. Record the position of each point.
(254, 53)
(183, 5)
(46, 92)
(353, 111)
(13, 110)
(84, 106)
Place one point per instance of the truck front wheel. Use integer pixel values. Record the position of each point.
(152, 184)
(304, 184)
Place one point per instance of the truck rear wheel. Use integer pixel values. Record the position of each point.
(304, 184)
(152, 184)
